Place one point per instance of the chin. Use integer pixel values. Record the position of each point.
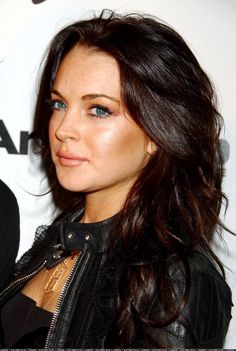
(70, 186)
(70, 182)
(73, 188)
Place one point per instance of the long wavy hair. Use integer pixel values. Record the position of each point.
(175, 202)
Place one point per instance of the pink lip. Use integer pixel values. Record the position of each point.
(68, 159)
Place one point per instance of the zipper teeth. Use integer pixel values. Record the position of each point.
(57, 309)
(22, 279)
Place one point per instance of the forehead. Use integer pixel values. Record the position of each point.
(88, 68)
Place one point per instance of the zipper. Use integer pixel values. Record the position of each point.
(22, 279)
(61, 296)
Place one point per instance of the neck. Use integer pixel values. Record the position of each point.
(104, 204)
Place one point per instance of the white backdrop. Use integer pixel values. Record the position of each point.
(208, 26)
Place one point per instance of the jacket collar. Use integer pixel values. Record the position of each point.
(74, 235)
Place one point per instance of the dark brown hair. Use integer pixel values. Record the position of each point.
(174, 205)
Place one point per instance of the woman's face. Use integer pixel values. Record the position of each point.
(95, 145)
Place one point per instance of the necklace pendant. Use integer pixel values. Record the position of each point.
(55, 278)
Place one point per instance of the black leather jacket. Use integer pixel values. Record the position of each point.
(9, 232)
(87, 305)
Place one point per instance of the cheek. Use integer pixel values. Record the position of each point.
(119, 145)
(109, 143)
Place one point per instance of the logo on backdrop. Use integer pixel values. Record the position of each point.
(6, 141)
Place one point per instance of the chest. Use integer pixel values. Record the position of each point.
(45, 288)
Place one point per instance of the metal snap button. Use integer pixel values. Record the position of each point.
(70, 235)
(87, 236)
(57, 255)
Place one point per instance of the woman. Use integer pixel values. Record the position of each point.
(128, 129)
(9, 232)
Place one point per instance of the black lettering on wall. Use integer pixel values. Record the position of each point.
(7, 142)
(35, 2)
(225, 148)
(24, 138)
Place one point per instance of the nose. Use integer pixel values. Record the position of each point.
(68, 128)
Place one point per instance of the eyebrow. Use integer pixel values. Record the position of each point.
(56, 92)
(88, 96)
(95, 96)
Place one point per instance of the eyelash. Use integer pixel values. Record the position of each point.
(100, 107)
(52, 104)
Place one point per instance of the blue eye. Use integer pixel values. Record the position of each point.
(57, 105)
(100, 111)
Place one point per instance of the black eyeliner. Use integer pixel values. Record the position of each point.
(105, 109)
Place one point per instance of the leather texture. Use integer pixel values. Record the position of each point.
(9, 232)
(87, 309)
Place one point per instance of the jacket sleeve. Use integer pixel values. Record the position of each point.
(205, 318)
(9, 232)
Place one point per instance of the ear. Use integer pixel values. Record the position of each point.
(151, 147)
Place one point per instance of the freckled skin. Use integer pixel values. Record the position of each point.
(115, 149)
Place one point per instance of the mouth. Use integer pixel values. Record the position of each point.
(68, 159)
